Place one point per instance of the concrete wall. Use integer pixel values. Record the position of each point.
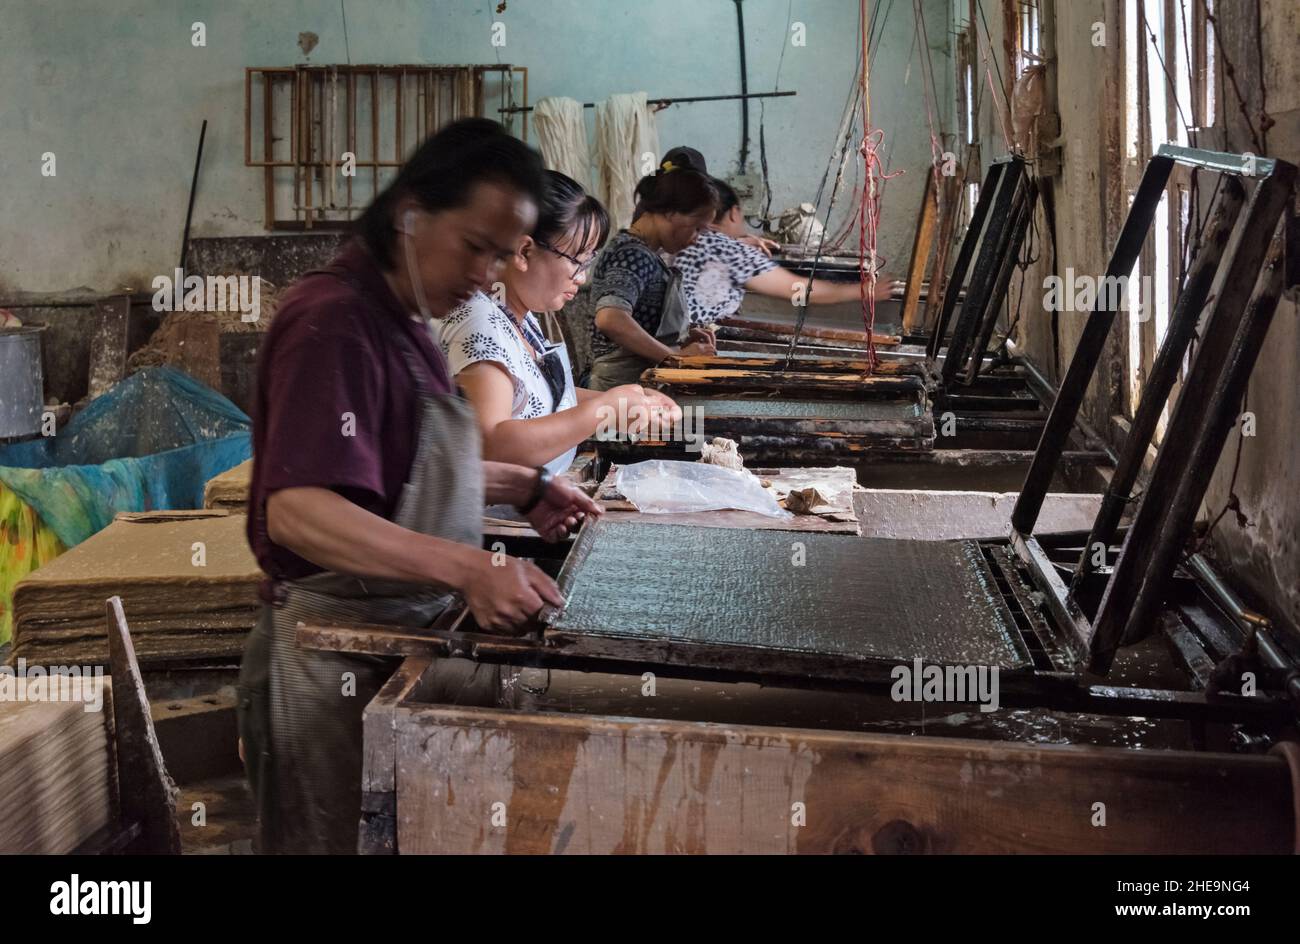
(117, 91)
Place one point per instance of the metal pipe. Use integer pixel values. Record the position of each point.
(1248, 621)
(674, 101)
(957, 280)
(73, 299)
(194, 185)
(744, 89)
(1202, 419)
(1002, 280)
(993, 244)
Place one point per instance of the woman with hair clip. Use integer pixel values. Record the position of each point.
(367, 489)
(640, 314)
(529, 410)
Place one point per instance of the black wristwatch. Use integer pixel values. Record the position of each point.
(544, 479)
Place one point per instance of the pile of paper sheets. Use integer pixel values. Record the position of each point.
(56, 788)
(188, 583)
(229, 489)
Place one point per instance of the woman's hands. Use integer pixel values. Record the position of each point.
(765, 246)
(699, 342)
(885, 288)
(562, 509)
(642, 407)
(505, 593)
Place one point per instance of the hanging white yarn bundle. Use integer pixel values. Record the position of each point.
(625, 134)
(562, 133)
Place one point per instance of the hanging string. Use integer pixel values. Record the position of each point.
(1172, 86)
(1228, 69)
(928, 93)
(874, 177)
(986, 50)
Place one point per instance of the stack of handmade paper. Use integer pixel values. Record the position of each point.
(56, 791)
(188, 583)
(230, 488)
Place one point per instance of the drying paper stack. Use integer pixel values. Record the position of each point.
(187, 579)
(55, 787)
(229, 490)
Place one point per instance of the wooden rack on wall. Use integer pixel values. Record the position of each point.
(302, 120)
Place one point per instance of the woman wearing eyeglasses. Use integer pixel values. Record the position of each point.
(521, 386)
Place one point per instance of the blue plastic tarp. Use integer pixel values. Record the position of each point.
(150, 443)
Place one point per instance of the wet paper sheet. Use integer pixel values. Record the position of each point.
(767, 593)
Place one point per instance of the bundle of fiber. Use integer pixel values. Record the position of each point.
(229, 490)
(56, 789)
(562, 135)
(626, 138)
(188, 581)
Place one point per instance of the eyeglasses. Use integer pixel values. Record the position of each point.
(582, 266)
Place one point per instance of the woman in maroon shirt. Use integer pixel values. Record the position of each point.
(368, 489)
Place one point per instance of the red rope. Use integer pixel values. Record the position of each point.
(872, 191)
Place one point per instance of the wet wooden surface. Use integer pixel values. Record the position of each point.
(734, 381)
(487, 781)
(813, 334)
(848, 364)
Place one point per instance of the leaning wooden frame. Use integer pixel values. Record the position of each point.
(999, 221)
(1240, 249)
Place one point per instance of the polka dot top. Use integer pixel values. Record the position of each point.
(714, 271)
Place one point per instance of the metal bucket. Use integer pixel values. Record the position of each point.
(21, 382)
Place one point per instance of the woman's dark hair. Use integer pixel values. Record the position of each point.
(727, 199)
(679, 190)
(568, 212)
(443, 171)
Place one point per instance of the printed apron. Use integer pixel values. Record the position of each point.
(562, 397)
(560, 464)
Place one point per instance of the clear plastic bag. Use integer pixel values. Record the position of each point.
(661, 487)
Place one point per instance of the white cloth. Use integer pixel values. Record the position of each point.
(562, 134)
(627, 143)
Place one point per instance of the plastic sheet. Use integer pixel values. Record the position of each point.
(150, 443)
(661, 486)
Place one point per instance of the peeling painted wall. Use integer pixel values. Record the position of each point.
(1264, 547)
(118, 93)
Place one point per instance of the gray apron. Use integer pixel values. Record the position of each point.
(300, 710)
(621, 366)
(560, 464)
(567, 400)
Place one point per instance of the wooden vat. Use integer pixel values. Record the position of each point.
(448, 779)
